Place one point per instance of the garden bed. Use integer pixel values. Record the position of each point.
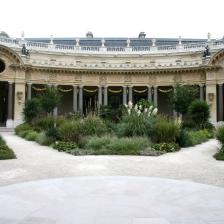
(5, 151)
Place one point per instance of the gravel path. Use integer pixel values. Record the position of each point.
(35, 162)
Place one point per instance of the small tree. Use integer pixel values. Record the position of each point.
(49, 100)
(199, 112)
(182, 97)
(31, 109)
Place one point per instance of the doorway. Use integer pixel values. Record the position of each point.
(3, 103)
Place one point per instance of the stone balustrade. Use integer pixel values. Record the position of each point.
(50, 47)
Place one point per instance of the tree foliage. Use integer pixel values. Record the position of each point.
(50, 99)
(182, 97)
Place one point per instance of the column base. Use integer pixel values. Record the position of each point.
(10, 123)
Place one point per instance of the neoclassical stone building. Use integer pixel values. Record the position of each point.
(99, 71)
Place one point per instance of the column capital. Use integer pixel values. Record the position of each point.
(201, 85)
(10, 82)
(29, 83)
(220, 84)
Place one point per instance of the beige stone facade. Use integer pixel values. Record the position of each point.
(102, 73)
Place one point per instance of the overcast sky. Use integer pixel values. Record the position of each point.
(113, 18)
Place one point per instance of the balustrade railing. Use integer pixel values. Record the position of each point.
(41, 46)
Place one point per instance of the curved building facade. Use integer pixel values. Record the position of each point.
(90, 72)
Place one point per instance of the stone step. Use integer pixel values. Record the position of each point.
(4, 129)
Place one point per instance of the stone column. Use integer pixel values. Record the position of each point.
(99, 96)
(29, 91)
(75, 99)
(20, 87)
(124, 95)
(175, 115)
(9, 122)
(201, 91)
(155, 96)
(220, 112)
(105, 99)
(81, 100)
(150, 93)
(55, 111)
(211, 97)
(130, 94)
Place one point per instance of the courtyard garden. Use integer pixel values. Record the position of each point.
(132, 129)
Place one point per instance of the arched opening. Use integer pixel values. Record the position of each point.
(2, 66)
(139, 92)
(90, 99)
(115, 96)
(164, 104)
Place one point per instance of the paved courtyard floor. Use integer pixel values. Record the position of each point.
(44, 186)
(111, 200)
(35, 162)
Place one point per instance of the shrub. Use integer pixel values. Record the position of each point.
(128, 146)
(2, 141)
(166, 147)
(43, 123)
(22, 127)
(220, 155)
(199, 112)
(70, 131)
(117, 146)
(182, 97)
(49, 99)
(53, 133)
(93, 125)
(31, 109)
(220, 133)
(64, 146)
(165, 130)
(6, 153)
(31, 135)
(42, 139)
(191, 138)
(97, 143)
(23, 134)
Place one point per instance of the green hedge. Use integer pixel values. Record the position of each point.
(6, 153)
(190, 138)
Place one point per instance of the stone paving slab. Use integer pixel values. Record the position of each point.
(111, 200)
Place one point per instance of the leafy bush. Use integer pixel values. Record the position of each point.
(70, 131)
(42, 139)
(47, 122)
(220, 155)
(220, 134)
(43, 123)
(117, 146)
(22, 127)
(30, 135)
(31, 109)
(166, 147)
(64, 146)
(6, 153)
(191, 138)
(199, 112)
(2, 141)
(183, 96)
(93, 125)
(128, 146)
(97, 143)
(165, 130)
(53, 133)
(49, 99)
